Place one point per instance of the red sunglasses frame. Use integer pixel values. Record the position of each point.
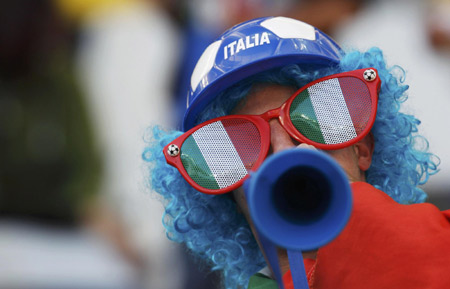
(262, 124)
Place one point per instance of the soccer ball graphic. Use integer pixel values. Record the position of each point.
(370, 75)
(173, 150)
(231, 50)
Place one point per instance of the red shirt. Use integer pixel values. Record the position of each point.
(384, 245)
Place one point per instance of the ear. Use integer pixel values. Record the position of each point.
(364, 151)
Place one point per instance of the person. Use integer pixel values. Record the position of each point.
(50, 165)
(329, 99)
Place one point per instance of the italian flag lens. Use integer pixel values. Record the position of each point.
(221, 153)
(333, 111)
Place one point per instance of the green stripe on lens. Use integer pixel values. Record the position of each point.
(196, 166)
(304, 118)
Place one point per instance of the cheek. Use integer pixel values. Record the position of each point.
(348, 160)
(239, 196)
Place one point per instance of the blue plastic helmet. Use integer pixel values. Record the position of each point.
(251, 47)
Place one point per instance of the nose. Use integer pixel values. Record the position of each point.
(279, 138)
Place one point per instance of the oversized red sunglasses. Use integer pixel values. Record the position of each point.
(330, 113)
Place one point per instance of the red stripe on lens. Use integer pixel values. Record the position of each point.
(246, 139)
(358, 100)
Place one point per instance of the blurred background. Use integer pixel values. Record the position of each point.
(81, 81)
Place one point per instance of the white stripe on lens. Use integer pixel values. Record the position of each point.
(332, 112)
(220, 154)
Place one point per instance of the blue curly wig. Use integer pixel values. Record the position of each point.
(212, 227)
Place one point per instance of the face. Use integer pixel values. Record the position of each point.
(354, 160)
(265, 97)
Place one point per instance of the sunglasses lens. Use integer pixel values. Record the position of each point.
(221, 153)
(333, 111)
